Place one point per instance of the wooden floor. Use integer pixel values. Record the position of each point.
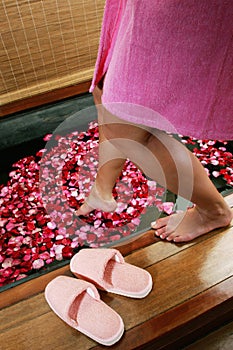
(192, 294)
(221, 339)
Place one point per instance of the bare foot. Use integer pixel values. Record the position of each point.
(95, 201)
(184, 227)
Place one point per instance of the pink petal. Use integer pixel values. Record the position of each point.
(37, 264)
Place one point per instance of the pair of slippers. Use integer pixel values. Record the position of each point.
(77, 301)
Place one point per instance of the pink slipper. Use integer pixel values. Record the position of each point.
(107, 269)
(78, 303)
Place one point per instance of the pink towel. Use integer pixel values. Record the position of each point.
(174, 57)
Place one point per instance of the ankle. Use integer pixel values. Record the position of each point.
(103, 191)
(217, 211)
(221, 208)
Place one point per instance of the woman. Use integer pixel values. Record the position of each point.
(165, 65)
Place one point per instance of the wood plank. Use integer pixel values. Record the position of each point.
(219, 339)
(180, 322)
(30, 288)
(37, 285)
(162, 250)
(45, 98)
(179, 279)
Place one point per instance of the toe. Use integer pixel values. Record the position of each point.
(177, 239)
(183, 238)
(159, 223)
(171, 237)
(83, 210)
(161, 232)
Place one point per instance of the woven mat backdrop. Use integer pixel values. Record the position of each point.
(46, 45)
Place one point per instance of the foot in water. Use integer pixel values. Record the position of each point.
(184, 227)
(95, 201)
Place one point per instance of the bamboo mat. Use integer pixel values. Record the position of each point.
(46, 45)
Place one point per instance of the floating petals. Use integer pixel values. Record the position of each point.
(136, 221)
(37, 264)
(7, 263)
(51, 225)
(215, 173)
(36, 232)
(168, 207)
(67, 252)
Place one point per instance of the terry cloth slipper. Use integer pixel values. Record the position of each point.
(78, 303)
(107, 269)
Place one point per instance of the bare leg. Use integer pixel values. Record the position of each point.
(169, 162)
(210, 210)
(111, 162)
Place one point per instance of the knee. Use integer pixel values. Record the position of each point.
(127, 132)
(109, 131)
